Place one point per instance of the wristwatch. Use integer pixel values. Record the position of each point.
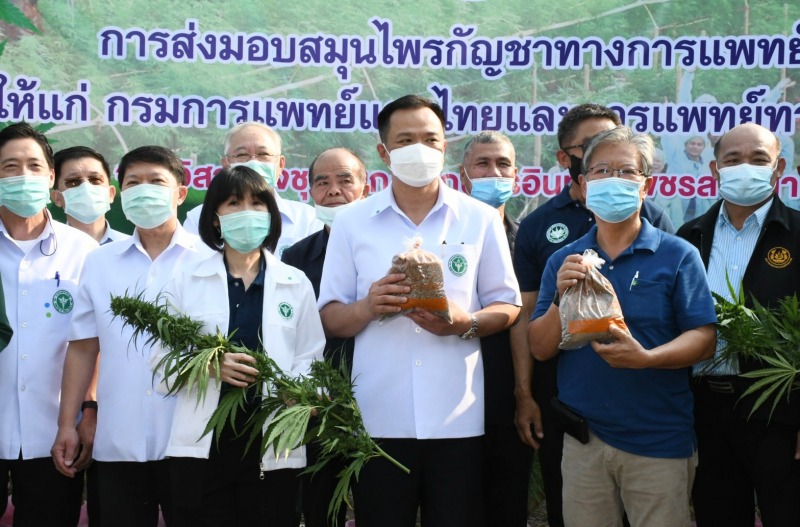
(472, 332)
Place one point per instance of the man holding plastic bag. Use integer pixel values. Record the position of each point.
(626, 323)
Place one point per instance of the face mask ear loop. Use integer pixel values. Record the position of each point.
(54, 244)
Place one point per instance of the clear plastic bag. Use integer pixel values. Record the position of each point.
(424, 276)
(589, 308)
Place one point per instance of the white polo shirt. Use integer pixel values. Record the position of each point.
(411, 383)
(133, 421)
(41, 286)
(298, 220)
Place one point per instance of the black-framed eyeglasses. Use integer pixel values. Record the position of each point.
(600, 172)
(244, 157)
(582, 147)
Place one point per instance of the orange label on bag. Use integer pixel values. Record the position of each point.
(434, 305)
(595, 325)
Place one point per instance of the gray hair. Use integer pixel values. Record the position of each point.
(255, 124)
(622, 135)
(485, 137)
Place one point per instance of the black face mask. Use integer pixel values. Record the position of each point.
(575, 167)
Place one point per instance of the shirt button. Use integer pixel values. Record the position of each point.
(24, 324)
(610, 267)
(24, 357)
(22, 388)
(417, 329)
(149, 392)
(236, 284)
(24, 292)
(418, 362)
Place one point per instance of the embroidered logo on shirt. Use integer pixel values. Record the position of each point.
(286, 310)
(557, 233)
(457, 264)
(778, 257)
(63, 302)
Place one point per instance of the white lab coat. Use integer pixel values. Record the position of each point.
(293, 342)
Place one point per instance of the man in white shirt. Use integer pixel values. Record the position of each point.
(419, 386)
(83, 189)
(133, 421)
(40, 262)
(258, 146)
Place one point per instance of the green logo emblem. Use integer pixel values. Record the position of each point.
(457, 264)
(286, 310)
(63, 301)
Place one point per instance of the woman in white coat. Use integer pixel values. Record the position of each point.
(271, 307)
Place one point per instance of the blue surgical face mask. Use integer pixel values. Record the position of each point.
(494, 191)
(86, 203)
(746, 184)
(147, 206)
(25, 195)
(613, 199)
(268, 171)
(245, 231)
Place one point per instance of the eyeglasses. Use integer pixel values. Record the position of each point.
(244, 157)
(601, 172)
(582, 147)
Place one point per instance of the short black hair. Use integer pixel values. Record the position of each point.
(361, 167)
(406, 102)
(156, 155)
(25, 131)
(238, 181)
(79, 152)
(577, 114)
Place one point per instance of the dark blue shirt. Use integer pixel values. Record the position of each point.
(661, 286)
(246, 308)
(308, 255)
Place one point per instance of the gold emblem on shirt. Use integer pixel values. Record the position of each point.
(779, 257)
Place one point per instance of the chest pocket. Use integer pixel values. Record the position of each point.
(646, 303)
(283, 313)
(460, 268)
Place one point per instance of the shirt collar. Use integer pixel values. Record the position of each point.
(287, 213)
(563, 199)
(279, 272)
(759, 216)
(648, 239)
(447, 197)
(180, 237)
(259, 279)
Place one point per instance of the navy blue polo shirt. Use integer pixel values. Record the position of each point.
(556, 223)
(661, 286)
(246, 308)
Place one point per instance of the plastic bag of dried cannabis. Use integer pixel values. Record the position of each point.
(589, 308)
(424, 276)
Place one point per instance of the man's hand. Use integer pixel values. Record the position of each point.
(435, 324)
(86, 429)
(624, 351)
(65, 450)
(235, 370)
(526, 416)
(570, 272)
(384, 296)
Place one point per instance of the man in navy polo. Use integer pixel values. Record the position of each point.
(553, 225)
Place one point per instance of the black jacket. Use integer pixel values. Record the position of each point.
(772, 273)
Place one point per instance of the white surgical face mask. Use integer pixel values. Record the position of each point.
(746, 184)
(327, 214)
(86, 203)
(416, 165)
(147, 206)
(268, 171)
